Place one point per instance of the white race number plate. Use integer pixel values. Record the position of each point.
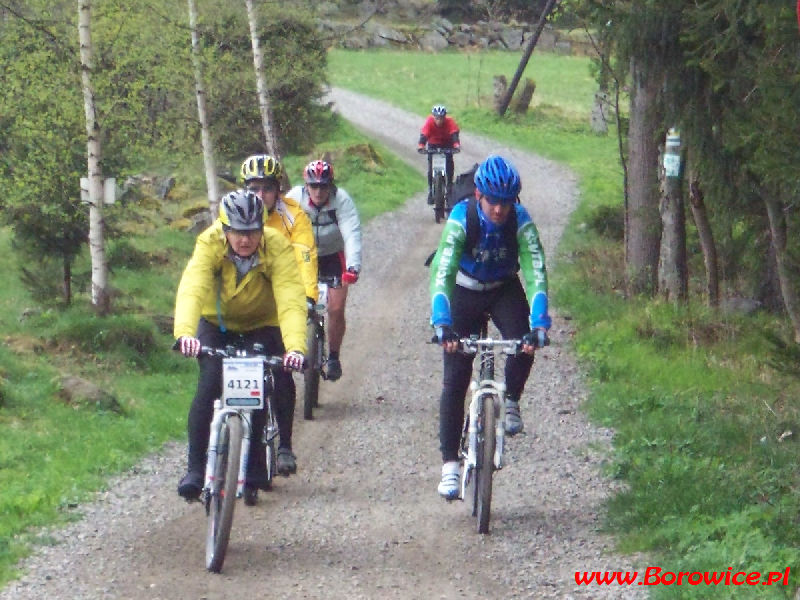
(243, 382)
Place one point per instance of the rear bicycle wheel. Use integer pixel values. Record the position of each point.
(438, 197)
(223, 492)
(311, 374)
(485, 469)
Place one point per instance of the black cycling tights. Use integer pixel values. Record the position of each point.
(509, 311)
(209, 388)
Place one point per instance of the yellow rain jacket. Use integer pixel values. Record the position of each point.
(270, 294)
(291, 220)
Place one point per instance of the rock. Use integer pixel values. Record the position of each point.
(78, 392)
(433, 41)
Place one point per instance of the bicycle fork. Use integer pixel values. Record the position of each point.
(214, 445)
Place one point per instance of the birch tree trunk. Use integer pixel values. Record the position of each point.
(100, 297)
(777, 228)
(270, 139)
(202, 115)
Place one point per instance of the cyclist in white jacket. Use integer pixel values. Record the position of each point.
(337, 232)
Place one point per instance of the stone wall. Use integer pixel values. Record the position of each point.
(441, 34)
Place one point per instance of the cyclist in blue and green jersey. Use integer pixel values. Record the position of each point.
(485, 242)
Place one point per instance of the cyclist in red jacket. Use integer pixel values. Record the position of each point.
(439, 131)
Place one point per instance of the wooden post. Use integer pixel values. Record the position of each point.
(525, 96)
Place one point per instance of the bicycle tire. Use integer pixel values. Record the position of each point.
(223, 492)
(272, 461)
(321, 356)
(311, 375)
(438, 198)
(485, 468)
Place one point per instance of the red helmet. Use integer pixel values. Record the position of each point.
(318, 171)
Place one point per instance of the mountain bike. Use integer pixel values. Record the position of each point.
(439, 189)
(483, 434)
(247, 386)
(317, 354)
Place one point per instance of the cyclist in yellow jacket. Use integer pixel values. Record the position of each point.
(261, 174)
(241, 284)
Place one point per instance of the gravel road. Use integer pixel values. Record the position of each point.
(361, 519)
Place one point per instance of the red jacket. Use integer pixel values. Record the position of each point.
(446, 135)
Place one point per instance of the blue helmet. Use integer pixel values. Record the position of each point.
(439, 110)
(496, 177)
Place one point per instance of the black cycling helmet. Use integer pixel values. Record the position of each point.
(496, 177)
(439, 110)
(242, 210)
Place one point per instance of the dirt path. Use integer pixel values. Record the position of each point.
(362, 519)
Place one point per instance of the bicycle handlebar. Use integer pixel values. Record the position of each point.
(473, 346)
(271, 361)
(438, 150)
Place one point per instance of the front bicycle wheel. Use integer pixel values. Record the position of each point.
(222, 494)
(438, 198)
(485, 468)
(311, 374)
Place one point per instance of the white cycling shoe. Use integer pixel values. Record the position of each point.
(450, 485)
(513, 420)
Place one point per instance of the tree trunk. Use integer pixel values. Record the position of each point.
(549, 7)
(672, 268)
(270, 139)
(202, 115)
(100, 297)
(642, 219)
(67, 284)
(706, 236)
(777, 227)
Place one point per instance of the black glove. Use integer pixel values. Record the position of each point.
(536, 338)
(444, 334)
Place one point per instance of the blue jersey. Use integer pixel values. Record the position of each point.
(491, 260)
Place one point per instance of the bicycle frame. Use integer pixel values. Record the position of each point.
(223, 412)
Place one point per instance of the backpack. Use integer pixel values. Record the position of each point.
(474, 230)
(463, 186)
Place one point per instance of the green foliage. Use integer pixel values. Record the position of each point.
(294, 63)
(146, 104)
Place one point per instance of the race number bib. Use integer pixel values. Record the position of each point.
(243, 382)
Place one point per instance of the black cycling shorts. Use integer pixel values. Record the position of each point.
(331, 265)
